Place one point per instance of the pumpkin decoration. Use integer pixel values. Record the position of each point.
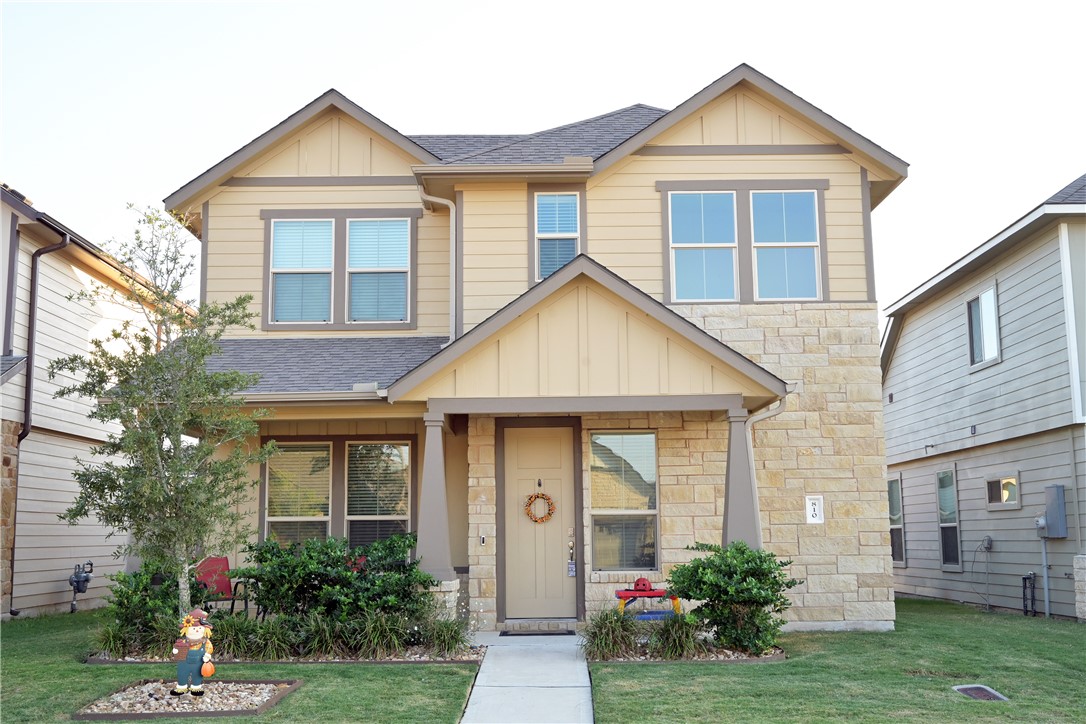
(208, 669)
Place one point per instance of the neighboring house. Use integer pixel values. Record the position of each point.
(662, 321)
(985, 390)
(44, 263)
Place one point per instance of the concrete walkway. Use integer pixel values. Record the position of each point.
(530, 679)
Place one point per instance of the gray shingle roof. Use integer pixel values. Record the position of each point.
(323, 364)
(592, 137)
(1072, 193)
(10, 365)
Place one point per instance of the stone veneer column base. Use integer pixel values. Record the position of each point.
(9, 489)
(1080, 587)
(447, 596)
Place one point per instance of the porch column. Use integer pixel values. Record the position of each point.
(741, 519)
(433, 546)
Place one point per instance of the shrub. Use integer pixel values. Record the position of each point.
(234, 634)
(374, 635)
(141, 615)
(676, 637)
(276, 638)
(444, 637)
(741, 592)
(611, 634)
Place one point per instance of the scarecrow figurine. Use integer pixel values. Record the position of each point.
(191, 652)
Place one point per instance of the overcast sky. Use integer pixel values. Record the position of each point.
(109, 103)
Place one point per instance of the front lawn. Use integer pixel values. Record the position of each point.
(42, 679)
(906, 675)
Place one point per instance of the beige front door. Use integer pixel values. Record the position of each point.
(537, 580)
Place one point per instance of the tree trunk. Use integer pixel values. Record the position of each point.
(184, 595)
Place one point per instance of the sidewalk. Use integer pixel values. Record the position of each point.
(530, 679)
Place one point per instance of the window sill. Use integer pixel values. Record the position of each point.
(341, 327)
(947, 568)
(997, 507)
(985, 365)
(901, 564)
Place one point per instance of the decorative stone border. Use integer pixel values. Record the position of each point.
(772, 658)
(291, 686)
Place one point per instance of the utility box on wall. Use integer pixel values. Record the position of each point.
(1055, 513)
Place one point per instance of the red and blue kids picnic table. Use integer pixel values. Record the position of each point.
(643, 589)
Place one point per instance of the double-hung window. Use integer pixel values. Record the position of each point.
(785, 235)
(302, 270)
(897, 521)
(378, 267)
(557, 231)
(703, 246)
(949, 543)
(299, 486)
(378, 485)
(624, 508)
(983, 328)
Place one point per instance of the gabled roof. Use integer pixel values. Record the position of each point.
(450, 147)
(588, 267)
(11, 365)
(313, 365)
(1070, 200)
(181, 199)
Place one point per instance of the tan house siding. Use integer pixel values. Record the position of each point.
(495, 248)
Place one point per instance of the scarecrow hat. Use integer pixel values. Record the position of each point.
(196, 617)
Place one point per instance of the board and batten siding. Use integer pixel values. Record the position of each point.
(937, 399)
(1040, 460)
(236, 233)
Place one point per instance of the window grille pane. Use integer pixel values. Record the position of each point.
(1004, 490)
(894, 488)
(702, 219)
(897, 544)
(948, 498)
(784, 218)
(378, 244)
(948, 540)
(556, 213)
(364, 532)
(704, 274)
(299, 478)
(624, 471)
(378, 477)
(787, 272)
(554, 254)
(302, 245)
(624, 542)
(378, 297)
(289, 531)
(983, 328)
(302, 297)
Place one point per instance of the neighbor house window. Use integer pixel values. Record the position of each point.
(785, 235)
(301, 270)
(557, 231)
(703, 246)
(949, 543)
(624, 507)
(378, 491)
(299, 484)
(897, 521)
(1003, 492)
(378, 265)
(983, 328)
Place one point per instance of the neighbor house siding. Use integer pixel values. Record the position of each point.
(937, 399)
(1039, 460)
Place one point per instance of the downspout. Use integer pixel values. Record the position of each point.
(452, 257)
(28, 388)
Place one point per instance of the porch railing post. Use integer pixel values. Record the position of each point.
(741, 517)
(433, 543)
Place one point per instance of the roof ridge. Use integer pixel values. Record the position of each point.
(554, 129)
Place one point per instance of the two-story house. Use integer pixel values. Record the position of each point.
(985, 384)
(46, 266)
(563, 357)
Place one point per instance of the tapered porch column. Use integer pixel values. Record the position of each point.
(741, 518)
(433, 546)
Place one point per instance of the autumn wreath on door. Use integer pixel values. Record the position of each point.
(529, 507)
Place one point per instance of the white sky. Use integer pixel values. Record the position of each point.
(109, 103)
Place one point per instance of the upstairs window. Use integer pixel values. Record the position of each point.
(301, 270)
(557, 231)
(785, 235)
(703, 246)
(378, 266)
(983, 328)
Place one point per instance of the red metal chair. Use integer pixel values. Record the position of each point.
(213, 573)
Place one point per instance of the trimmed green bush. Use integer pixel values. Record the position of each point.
(611, 634)
(676, 637)
(741, 591)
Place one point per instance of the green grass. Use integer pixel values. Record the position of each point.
(42, 679)
(905, 675)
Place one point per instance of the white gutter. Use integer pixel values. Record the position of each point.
(452, 258)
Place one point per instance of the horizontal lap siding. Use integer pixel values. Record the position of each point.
(624, 213)
(495, 248)
(235, 244)
(936, 398)
(1040, 460)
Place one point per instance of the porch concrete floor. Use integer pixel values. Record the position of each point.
(530, 679)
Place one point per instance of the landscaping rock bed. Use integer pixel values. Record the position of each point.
(413, 655)
(719, 655)
(150, 698)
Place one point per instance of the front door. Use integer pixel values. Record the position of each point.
(539, 462)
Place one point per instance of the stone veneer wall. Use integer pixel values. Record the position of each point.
(1080, 587)
(9, 486)
(829, 442)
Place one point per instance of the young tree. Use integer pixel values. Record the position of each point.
(175, 476)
